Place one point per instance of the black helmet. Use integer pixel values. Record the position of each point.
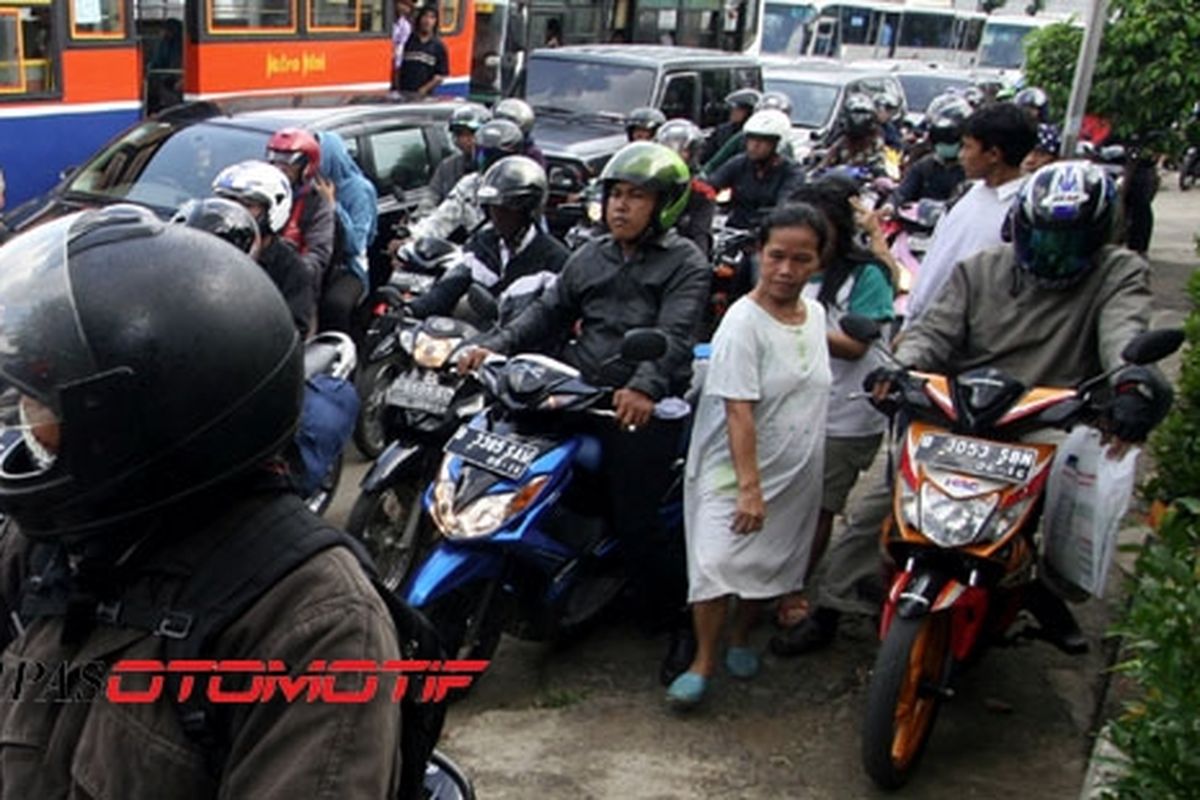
(168, 360)
(646, 118)
(858, 115)
(774, 101)
(518, 111)
(1061, 217)
(514, 182)
(495, 140)
(470, 117)
(231, 221)
(946, 125)
(657, 168)
(1035, 101)
(743, 98)
(681, 135)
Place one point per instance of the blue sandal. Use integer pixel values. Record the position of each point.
(742, 662)
(687, 690)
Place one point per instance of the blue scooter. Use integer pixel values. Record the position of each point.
(524, 547)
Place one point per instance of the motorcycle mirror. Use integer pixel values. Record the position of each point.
(643, 344)
(1151, 346)
(860, 328)
(483, 304)
(399, 193)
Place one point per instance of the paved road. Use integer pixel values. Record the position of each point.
(587, 721)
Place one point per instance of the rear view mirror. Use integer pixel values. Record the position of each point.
(483, 303)
(1151, 346)
(860, 328)
(643, 344)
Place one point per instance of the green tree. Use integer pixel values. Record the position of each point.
(1145, 77)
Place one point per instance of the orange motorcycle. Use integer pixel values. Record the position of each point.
(966, 504)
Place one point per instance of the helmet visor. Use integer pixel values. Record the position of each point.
(1057, 255)
(42, 344)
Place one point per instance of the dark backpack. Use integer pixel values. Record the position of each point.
(267, 543)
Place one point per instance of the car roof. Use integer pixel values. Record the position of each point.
(645, 54)
(828, 77)
(320, 110)
(897, 66)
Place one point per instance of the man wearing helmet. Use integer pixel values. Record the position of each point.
(511, 255)
(310, 226)
(767, 101)
(640, 274)
(521, 114)
(685, 138)
(938, 174)
(859, 144)
(464, 123)
(760, 178)
(1055, 307)
(643, 123)
(741, 104)
(149, 394)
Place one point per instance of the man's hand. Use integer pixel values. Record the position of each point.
(1140, 401)
(471, 358)
(879, 382)
(751, 511)
(326, 189)
(633, 408)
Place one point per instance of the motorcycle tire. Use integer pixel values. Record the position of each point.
(380, 519)
(322, 497)
(469, 624)
(902, 698)
(1188, 170)
(372, 383)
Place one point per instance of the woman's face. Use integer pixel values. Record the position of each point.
(789, 258)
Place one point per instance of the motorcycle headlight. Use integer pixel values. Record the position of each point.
(484, 516)
(910, 509)
(406, 340)
(431, 352)
(595, 211)
(1005, 520)
(952, 522)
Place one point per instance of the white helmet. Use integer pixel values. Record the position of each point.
(259, 182)
(768, 123)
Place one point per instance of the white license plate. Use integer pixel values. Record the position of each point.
(983, 459)
(507, 457)
(405, 392)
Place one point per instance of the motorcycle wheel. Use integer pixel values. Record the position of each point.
(469, 623)
(322, 497)
(380, 520)
(902, 699)
(1187, 171)
(373, 380)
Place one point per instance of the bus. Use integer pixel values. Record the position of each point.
(74, 73)
(1003, 44)
(874, 29)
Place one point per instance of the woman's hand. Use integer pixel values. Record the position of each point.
(751, 510)
(326, 189)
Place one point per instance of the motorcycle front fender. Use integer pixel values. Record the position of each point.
(397, 460)
(447, 568)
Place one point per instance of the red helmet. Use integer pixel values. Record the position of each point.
(295, 146)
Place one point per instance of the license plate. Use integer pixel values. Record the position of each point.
(976, 457)
(919, 243)
(419, 395)
(507, 457)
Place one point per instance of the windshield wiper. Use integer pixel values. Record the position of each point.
(554, 110)
(607, 116)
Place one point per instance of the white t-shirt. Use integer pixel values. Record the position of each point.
(973, 225)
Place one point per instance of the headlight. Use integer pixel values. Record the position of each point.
(910, 509)
(952, 522)
(406, 340)
(595, 211)
(485, 515)
(431, 352)
(1006, 519)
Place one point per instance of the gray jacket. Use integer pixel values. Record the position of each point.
(990, 313)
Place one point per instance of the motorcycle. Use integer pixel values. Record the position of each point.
(1189, 168)
(731, 271)
(523, 547)
(420, 263)
(330, 406)
(968, 496)
(909, 233)
(416, 415)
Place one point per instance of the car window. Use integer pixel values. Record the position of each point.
(162, 166)
(679, 97)
(400, 158)
(715, 84)
(812, 103)
(746, 77)
(586, 87)
(919, 90)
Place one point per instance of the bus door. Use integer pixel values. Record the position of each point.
(498, 52)
(825, 38)
(161, 36)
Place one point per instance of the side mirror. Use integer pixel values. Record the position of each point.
(483, 304)
(1151, 346)
(643, 344)
(860, 328)
(815, 136)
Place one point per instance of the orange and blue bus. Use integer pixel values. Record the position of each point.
(74, 73)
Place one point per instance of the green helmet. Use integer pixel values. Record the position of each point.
(654, 167)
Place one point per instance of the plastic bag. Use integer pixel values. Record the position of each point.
(1087, 494)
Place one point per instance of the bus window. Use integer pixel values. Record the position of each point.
(856, 25)
(25, 49)
(251, 16)
(449, 17)
(927, 30)
(97, 19)
(340, 16)
(785, 28)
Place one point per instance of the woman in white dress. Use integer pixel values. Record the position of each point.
(753, 484)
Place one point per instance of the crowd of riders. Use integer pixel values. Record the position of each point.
(1021, 274)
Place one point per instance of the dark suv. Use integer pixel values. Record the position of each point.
(582, 95)
(166, 160)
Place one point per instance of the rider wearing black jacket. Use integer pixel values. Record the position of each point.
(760, 178)
(511, 251)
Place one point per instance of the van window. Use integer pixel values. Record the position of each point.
(715, 84)
(680, 97)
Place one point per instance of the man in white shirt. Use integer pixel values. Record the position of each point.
(996, 139)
